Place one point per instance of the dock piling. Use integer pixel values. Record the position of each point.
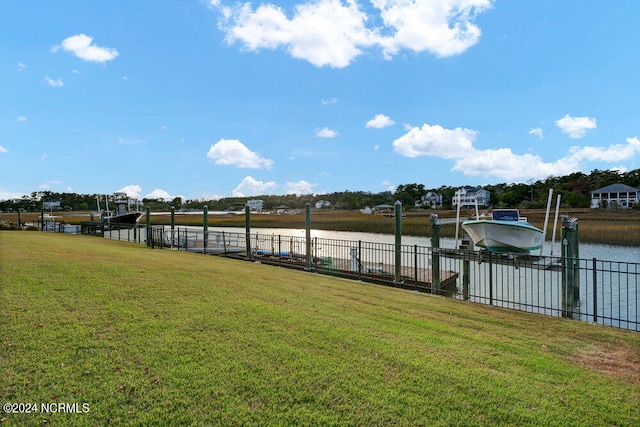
(435, 256)
(570, 267)
(307, 226)
(247, 227)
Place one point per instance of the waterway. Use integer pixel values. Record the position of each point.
(587, 250)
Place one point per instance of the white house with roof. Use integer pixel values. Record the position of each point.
(255, 205)
(322, 204)
(51, 205)
(430, 200)
(469, 196)
(615, 195)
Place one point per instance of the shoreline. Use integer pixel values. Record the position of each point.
(602, 226)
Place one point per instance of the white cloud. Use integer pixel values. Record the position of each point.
(329, 101)
(132, 191)
(209, 196)
(21, 66)
(537, 132)
(334, 32)
(435, 141)
(21, 119)
(380, 121)
(234, 152)
(53, 83)
(8, 195)
(613, 153)
(576, 127)
(300, 187)
(158, 194)
(251, 187)
(457, 145)
(326, 133)
(3, 150)
(81, 46)
(326, 33)
(376, 147)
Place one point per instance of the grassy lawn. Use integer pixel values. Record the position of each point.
(160, 337)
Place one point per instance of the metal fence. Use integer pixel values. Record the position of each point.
(591, 290)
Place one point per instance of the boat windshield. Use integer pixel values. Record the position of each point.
(505, 215)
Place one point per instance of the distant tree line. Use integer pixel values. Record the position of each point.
(574, 188)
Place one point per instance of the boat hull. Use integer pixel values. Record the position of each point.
(131, 218)
(504, 236)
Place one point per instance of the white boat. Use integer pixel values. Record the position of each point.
(122, 215)
(506, 231)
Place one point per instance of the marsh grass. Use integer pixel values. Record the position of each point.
(166, 338)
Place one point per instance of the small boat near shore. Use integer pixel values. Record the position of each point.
(122, 214)
(506, 231)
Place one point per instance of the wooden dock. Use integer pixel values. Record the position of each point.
(517, 260)
(420, 279)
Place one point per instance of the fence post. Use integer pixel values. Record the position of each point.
(466, 272)
(435, 257)
(398, 216)
(360, 259)
(490, 278)
(247, 230)
(205, 242)
(307, 226)
(595, 291)
(570, 267)
(415, 265)
(173, 224)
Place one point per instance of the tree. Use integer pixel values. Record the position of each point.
(409, 194)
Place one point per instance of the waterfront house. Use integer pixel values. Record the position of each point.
(49, 205)
(255, 205)
(322, 204)
(430, 200)
(615, 195)
(469, 196)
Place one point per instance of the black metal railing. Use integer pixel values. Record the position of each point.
(591, 290)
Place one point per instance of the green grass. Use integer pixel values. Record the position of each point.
(167, 338)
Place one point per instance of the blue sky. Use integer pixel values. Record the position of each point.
(208, 99)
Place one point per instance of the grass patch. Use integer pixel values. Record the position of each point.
(165, 338)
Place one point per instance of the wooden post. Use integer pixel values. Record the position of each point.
(398, 216)
(307, 226)
(466, 272)
(173, 224)
(205, 243)
(247, 230)
(435, 256)
(570, 267)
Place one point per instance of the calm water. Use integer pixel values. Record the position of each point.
(587, 250)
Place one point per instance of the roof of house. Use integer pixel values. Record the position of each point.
(615, 188)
